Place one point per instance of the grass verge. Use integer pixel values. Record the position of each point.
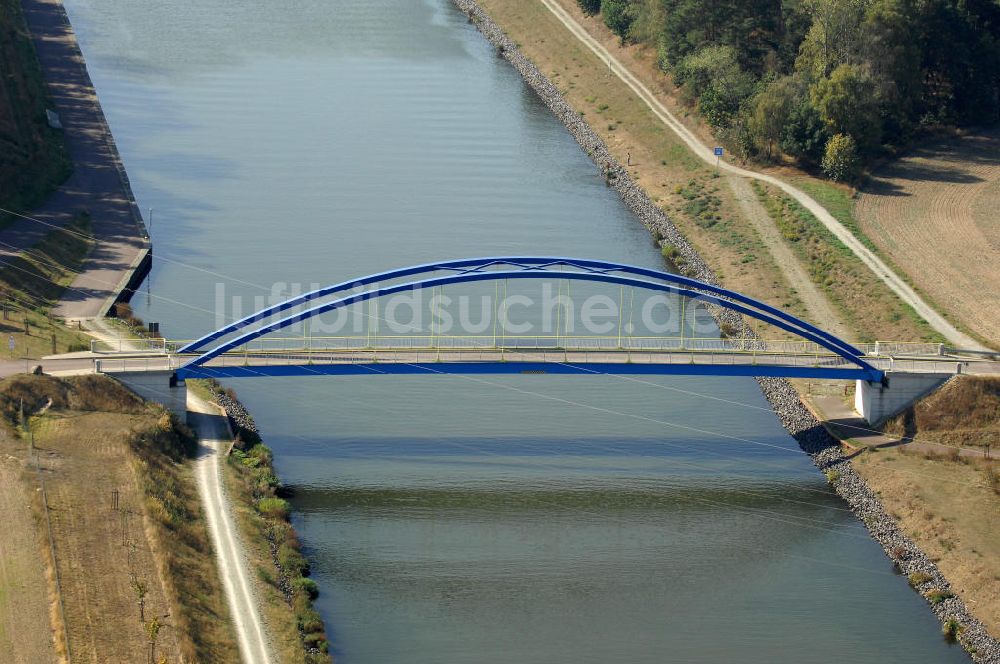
(34, 280)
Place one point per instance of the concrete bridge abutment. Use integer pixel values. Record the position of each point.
(877, 402)
(159, 386)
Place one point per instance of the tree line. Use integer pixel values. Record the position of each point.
(829, 83)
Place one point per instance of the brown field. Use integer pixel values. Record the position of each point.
(948, 506)
(934, 214)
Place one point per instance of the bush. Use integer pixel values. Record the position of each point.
(273, 508)
(292, 561)
(590, 7)
(937, 595)
(617, 16)
(951, 629)
(919, 578)
(840, 159)
(832, 476)
(307, 586)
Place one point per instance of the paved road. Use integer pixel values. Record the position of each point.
(98, 183)
(704, 152)
(214, 439)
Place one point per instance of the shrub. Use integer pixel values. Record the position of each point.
(273, 508)
(309, 621)
(919, 578)
(292, 561)
(937, 595)
(840, 159)
(951, 629)
(832, 476)
(307, 586)
(590, 7)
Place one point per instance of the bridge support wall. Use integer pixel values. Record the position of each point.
(877, 402)
(159, 386)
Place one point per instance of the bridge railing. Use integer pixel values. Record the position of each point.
(129, 344)
(490, 342)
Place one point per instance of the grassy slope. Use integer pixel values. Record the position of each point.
(963, 413)
(33, 158)
(33, 281)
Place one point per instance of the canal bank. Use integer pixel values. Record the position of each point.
(99, 185)
(812, 437)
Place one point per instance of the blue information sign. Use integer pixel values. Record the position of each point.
(719, 152)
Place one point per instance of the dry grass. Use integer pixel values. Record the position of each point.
(34, 280)
(965, 412)
(27, 630)
(95, 439)
(933, 213)
(949, 508)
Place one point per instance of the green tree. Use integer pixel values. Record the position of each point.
(590, 7)
(770, 113)
(715, 79)
(847, 105)
(804, 135)
(840, 160)
(617, 16)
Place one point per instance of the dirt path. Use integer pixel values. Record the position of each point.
(214, 437)
(816, 302)
(933, 212)
(703, 152)
(25, 629)
(98, 184)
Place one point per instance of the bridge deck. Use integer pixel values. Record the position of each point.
(354, 361)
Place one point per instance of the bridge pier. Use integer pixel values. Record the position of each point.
(877, 402)
(159, 386)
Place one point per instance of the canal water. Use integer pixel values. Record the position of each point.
(449, 519)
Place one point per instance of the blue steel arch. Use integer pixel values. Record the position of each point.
(538, 265)
(472, 270)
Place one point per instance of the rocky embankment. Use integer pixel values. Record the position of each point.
(800, 423)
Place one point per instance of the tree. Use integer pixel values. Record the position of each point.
(590, 7)
(141, 590)
(153, 633)
(770, 113)
(804, 135)
(840, 160)
(617, 16)
(715, 79)
(846, 103)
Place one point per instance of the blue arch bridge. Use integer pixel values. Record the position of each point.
(253, 346)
